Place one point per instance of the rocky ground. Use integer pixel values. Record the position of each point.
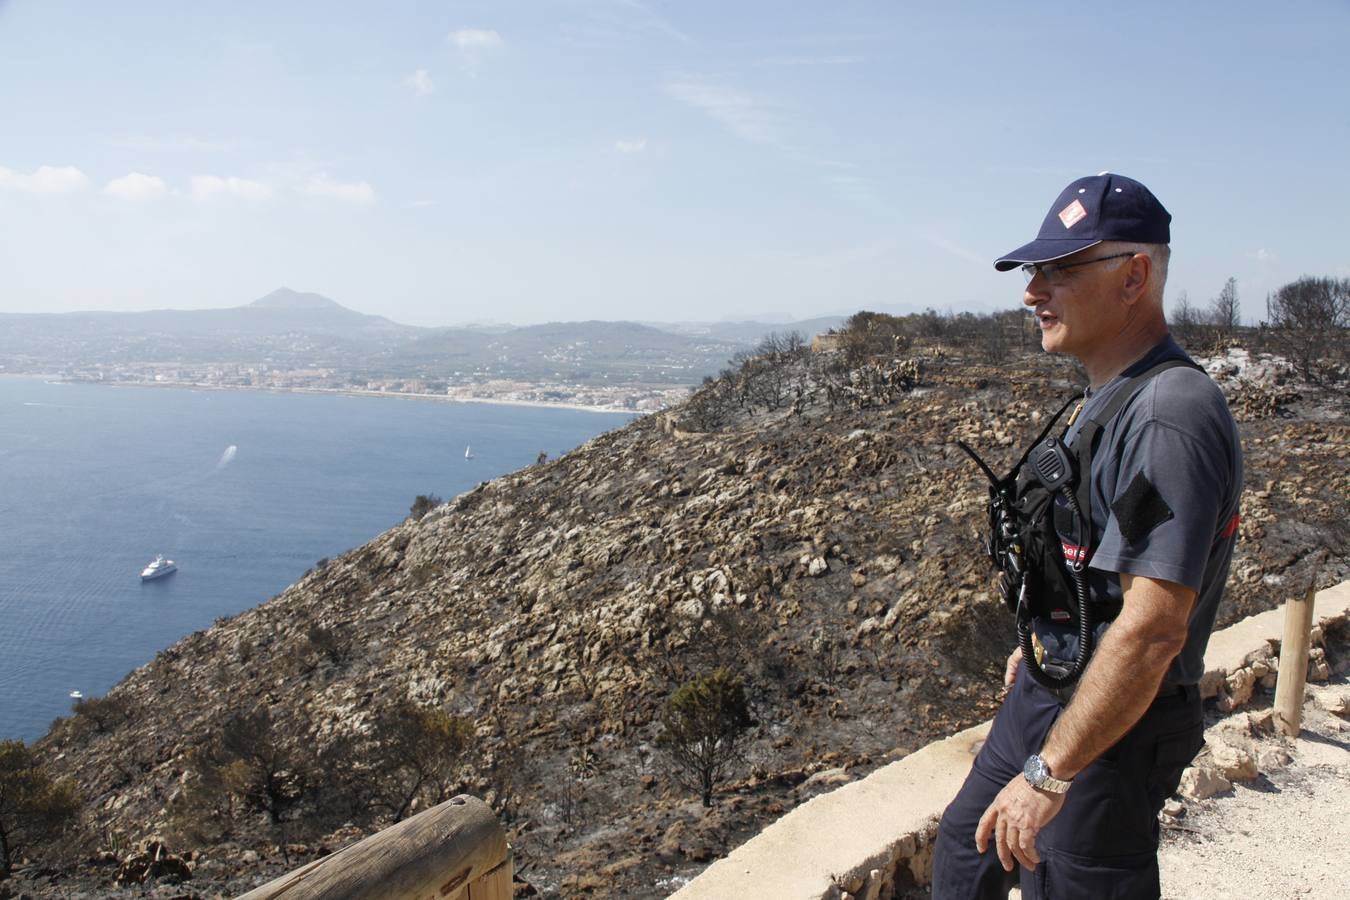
(1280, 824)
(827, 555)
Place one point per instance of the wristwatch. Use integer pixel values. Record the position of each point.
(1037, 774)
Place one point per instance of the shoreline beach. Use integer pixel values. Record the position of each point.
(348, 392)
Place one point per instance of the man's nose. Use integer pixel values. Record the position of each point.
(1037, 290)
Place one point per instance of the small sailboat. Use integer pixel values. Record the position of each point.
(468, 452)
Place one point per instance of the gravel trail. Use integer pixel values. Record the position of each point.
(1283, 834)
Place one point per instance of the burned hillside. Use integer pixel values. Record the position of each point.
(804, 521)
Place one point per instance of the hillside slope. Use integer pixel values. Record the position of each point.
(827, 555)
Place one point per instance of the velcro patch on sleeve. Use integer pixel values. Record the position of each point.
(1140, 509)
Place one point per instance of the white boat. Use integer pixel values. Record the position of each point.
(76, 695)
(468, 452)
(158, 568)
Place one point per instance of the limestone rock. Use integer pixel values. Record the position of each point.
(828, 778)
(1261, 722)
(1274, 758)
(1212, 683)
(1233, 762)
(1336, 704)
(151, 863)
(1239, 685)
(1199, 783)
(577, 883)
(876, 883)
(1318, 670)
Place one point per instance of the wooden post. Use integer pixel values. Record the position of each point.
(453, 851)
(1293, 674)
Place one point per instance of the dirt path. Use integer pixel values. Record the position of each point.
(1284, 833)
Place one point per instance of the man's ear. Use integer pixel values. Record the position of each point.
(1134, 286)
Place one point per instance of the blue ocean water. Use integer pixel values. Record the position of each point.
(95, 480)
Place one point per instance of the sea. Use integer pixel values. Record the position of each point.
(244, 490)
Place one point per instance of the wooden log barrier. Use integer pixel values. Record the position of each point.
(454, 851)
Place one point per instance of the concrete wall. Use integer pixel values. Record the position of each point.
(874, 836)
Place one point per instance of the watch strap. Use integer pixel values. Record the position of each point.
(1054, 785)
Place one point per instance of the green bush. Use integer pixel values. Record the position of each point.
(424, 504)
(331, 643)
(34, 807)
(105, 712)
(259, 768)
(411, 762)
(704, 723)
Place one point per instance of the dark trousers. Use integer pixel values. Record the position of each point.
(1104, 842)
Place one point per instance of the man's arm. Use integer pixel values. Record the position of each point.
(1124, 675)
(1113, 694)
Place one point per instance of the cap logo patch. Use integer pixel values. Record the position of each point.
(1073, 214)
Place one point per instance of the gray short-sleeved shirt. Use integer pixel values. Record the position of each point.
(1166, 481)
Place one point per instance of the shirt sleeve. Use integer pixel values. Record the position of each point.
(1164, 509)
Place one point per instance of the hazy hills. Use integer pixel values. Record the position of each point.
(280, 312)
(291, 329)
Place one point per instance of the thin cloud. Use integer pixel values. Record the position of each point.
(136, 188)
(861, 254)
(357, 193)
(1262, 256)
(851, 187)
(475, 39)
(654, 21)
(177, 144)
(748, 117)
(420, 82)
(953, 248)
(618, 23)
(44, 180)
(214, 187)
(814, 40)
(764, 121)
(474, 45)
(636, 146)
(797, 61)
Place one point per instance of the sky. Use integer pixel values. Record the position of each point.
(510, 161)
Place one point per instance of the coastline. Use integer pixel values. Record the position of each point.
(347, 392)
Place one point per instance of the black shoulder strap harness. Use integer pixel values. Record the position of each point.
(1040, 576)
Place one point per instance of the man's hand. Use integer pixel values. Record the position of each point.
(1010, 673)
(1016, 816)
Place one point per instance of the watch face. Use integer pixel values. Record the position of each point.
(1034, 769)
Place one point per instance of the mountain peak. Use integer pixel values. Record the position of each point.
(285, 298)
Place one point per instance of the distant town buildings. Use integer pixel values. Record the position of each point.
(469, 387)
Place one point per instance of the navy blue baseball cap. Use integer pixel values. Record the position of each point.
(1105, 207)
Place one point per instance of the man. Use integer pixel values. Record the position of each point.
(1065, 793)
